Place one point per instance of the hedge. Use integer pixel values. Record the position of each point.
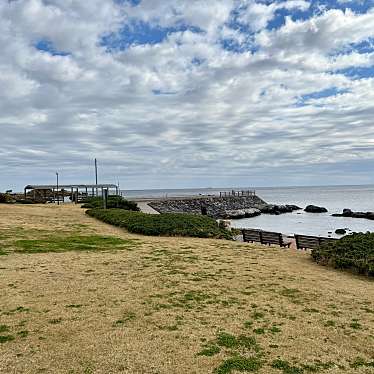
(167, 224)
(354, 252)
(113, 202)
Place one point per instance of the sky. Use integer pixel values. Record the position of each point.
(187, 93)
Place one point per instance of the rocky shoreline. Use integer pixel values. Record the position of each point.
(351, 214)
(231, 207)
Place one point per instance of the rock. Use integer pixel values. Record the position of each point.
(293, 207)
(315, 209)
(217, 207)
(340, 231)
(347, 213)
(252, 212)
(234, 214)
(370, 215)
(224, 223)
(359, 215)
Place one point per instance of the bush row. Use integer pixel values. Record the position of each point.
(354, 252)
(113, 202)
(167, 224)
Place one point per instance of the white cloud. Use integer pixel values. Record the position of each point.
(186, 107)
(257, 15)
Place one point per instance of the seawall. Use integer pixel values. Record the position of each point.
(217, 207)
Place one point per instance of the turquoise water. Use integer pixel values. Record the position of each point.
(334, 198)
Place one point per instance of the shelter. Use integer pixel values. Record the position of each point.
(75, 191)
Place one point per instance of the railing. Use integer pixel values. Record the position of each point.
(234, 193)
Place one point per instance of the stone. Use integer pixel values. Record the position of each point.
(347, 213)
(340, 231)
(370, 215)
(315, 209)
(293, 207)
(234, 214)
(252, 212)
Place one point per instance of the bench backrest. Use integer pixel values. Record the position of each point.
(263, 237)
(268, 237)
(326, 240)
(311, 242)
(306, 241)
(251, 235)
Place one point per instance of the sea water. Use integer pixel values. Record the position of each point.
(334, 198)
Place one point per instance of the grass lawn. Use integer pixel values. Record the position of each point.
(80, 296)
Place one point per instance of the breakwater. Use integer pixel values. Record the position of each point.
(214, 206)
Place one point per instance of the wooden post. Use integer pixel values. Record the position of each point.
(105, 197)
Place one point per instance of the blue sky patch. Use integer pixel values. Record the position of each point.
(141, 33)
(47, 46)
(357, 72)
(328, 92)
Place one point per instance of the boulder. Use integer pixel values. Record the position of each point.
(347, 213)
(315, 209)
(340, 231)
(278, 209)
(252, 212)
(293, 207)
(359, 215)
(370, 215)
(234, 214)
(269, 209)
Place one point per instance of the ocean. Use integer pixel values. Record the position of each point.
(334, 198)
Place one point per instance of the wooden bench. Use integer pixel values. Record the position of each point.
(251, 235)
(264, 237)
(311, 242)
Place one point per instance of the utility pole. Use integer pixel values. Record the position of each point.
(96, 176)
(58, 197)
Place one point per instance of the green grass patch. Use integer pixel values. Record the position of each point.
(355, 325)
(6, 338)
(239, 364)
(360, 362)
(72, 243)
(23, 333)
(209, 350)
(286, 367)
(2, 252)
(4, 328)
(230, 341)
(162, 224)
(353, 252)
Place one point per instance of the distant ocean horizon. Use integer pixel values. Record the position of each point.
(334, 198)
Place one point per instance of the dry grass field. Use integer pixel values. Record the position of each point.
(79, 296)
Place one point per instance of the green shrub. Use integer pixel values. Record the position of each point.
(168, 224)
(113, 202)
(354, 252)
(6, 198)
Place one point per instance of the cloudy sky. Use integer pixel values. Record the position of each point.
(187, 93)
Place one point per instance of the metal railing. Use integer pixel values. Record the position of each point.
(234, 193)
